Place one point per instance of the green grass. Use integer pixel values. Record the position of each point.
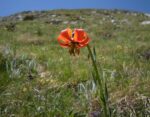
(54, 90)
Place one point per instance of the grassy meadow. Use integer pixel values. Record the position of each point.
(38, 78)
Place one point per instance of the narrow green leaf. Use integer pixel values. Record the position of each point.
(106, 92)
(94, 53)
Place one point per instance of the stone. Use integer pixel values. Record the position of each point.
(147, 14)
(145, 22)
(56, 21)
(53, 15)
(73, 22)
(19, 17)
(65, 22)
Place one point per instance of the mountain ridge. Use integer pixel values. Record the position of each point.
(37, 14)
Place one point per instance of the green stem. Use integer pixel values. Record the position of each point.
(95, 66)
(99, 81)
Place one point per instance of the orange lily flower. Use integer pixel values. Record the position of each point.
(74, 40)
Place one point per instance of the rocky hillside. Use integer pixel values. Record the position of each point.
(38, 78)
(74, 16)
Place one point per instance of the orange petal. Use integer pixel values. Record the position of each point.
(82, 45)
(65, 36)
(64, 45)
(79, 35)
(86, 41)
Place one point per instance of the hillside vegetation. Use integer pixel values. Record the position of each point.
(38, 78)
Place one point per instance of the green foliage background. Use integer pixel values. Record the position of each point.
(28, 46)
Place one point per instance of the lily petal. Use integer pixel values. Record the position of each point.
(85, 41)
(64, 45)
(82, 45)
(79, 35)
(65, 36)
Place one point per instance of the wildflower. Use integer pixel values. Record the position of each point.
(42, 81)
(119, 47)
(74, 40)
(103, 58)
(24, 89)
(47, 80)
